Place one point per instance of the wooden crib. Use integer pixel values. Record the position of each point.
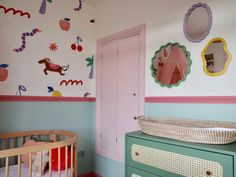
(12, 150)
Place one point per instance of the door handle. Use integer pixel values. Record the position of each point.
(138, 117)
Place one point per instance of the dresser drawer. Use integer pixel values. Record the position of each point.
(133, 172)
(172, 160)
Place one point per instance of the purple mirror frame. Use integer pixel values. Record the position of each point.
(205, 6)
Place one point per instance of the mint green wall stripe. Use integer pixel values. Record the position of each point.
(223, 112)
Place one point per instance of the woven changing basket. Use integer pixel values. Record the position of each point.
(199, 131)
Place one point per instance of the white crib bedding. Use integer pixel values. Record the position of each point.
(13, 172)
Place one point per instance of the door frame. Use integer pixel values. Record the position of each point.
(140, 30)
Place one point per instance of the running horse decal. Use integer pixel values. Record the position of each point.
(49, 66)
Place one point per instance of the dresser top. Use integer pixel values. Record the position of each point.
(226, 148)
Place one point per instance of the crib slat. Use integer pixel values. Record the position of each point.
(19, 166)
(40, 165)
(30, 164)
(71, 160)
(50, 163)
(75, 159)
(66, 161)
(6, 143)
(14, 146)
(59, 162)
(7, 167)
(23, 140)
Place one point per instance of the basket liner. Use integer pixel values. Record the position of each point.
(199, 131)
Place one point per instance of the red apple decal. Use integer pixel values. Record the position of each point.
(65, 24)
(3, 72)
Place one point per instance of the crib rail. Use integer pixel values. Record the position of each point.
(12, 149)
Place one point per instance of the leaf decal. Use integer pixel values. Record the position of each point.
(4, 65)
(50, 89)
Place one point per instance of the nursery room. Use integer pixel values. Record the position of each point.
(107, 88)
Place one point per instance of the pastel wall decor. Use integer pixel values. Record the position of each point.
(53, 47)
(90, 61)
(20, 88)
(171, 65)
(3, 72)
(71, 82)
(216, 57)
(76, 44)
(64, 24)
(15, 11)
(55, 93)
(79, 7)
(50, 66)
(197, 22)
(23, 45)
(42, 9)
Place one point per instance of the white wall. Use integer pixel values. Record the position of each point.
(23, 66)
(164, 21)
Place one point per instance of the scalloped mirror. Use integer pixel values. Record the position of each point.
(216, 57)
(170, 65)
(197, 22)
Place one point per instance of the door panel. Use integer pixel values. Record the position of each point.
(109, 87)
(128, 86)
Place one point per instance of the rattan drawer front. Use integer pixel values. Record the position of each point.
(176, 163)
(134, 175)
(134, 172)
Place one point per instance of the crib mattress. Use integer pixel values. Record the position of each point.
(13, 172)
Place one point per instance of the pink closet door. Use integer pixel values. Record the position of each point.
(108, 87)
(128, 87)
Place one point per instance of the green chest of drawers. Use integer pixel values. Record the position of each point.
(150, 156)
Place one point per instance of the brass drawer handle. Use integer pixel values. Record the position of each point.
(208, 173)
(136, 153)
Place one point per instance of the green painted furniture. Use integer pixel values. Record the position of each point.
(151, 156)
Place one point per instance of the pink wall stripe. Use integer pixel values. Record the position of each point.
(46, 98)
(192, 99)
(164, 99)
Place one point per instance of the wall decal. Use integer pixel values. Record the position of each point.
(65, 24)
(87, 94)
(54, 92)
(15, 11)
(92, 21)
(78, 47)
(19, 89)
(42, 9)
(90, 63)
(23, 45)
(53, 47)
(3, 72)
(79, 7)
(71, 82)
(49, 66)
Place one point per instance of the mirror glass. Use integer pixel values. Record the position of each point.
(170, 65)
(197, 22)
(216, 57)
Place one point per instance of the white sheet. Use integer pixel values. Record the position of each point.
(13, 172)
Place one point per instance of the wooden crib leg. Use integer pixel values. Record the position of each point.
(66, 161)
(50, 163)
(7, 167)
(30, 164)
(19, 166)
